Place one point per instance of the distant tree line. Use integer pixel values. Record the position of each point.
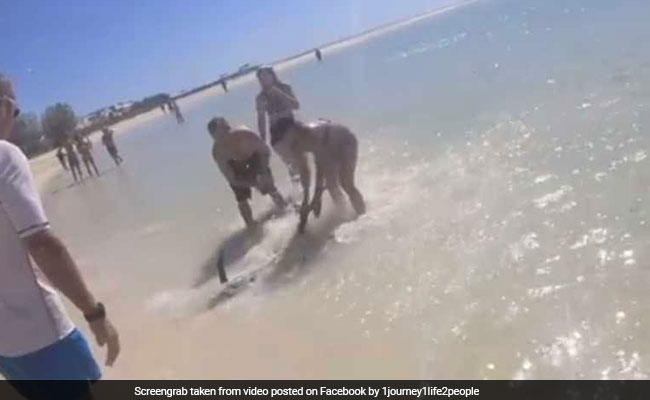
(59, 122)
(36, 136)
(139, 107)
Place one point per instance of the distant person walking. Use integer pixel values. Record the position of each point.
(319, 55)
(84, 147)
(177, 112)
(37, 339)
(60, 154)
(109, 143)
(224, 86)
(73, 161)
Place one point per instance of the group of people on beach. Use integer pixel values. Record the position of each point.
(38, 341)
(244, 157)
(69, 151)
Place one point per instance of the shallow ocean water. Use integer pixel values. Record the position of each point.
(503, 156)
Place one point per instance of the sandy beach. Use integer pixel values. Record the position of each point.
(504, 161)
(46, 167)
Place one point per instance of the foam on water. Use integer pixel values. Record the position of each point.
(424, 47)
(505, 234)
(553, 197)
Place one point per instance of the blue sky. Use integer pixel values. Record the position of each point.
(93, 53)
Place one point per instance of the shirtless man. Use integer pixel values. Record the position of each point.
(243, 158)
(335, 151)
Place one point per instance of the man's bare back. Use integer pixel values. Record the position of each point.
(243, 158)
(237, 147)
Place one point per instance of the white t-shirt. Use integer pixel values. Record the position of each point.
(31, 313)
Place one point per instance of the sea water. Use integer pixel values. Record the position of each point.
(503, 157)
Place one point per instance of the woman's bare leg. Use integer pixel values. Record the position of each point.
(332, 173)
(246, 213)
(267, 186)
(346, 176)
(282, 149)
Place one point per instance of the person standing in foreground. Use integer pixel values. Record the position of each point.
(109, 143)
(335, 150)
(37, 339)
(244, 160)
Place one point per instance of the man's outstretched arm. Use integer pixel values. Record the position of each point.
(22, 204)
(229, 174)
(55, 261)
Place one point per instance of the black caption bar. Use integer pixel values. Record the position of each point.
(393, 390)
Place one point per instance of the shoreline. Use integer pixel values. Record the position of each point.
(353, 39)
(46, 167)
(331, 46)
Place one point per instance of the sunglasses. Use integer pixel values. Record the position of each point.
(13, 103)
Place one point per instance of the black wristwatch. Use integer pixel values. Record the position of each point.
(99, 312)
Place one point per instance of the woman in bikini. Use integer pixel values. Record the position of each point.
(277, 101)
(335, 149)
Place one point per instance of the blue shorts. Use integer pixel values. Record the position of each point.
(68, 359)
